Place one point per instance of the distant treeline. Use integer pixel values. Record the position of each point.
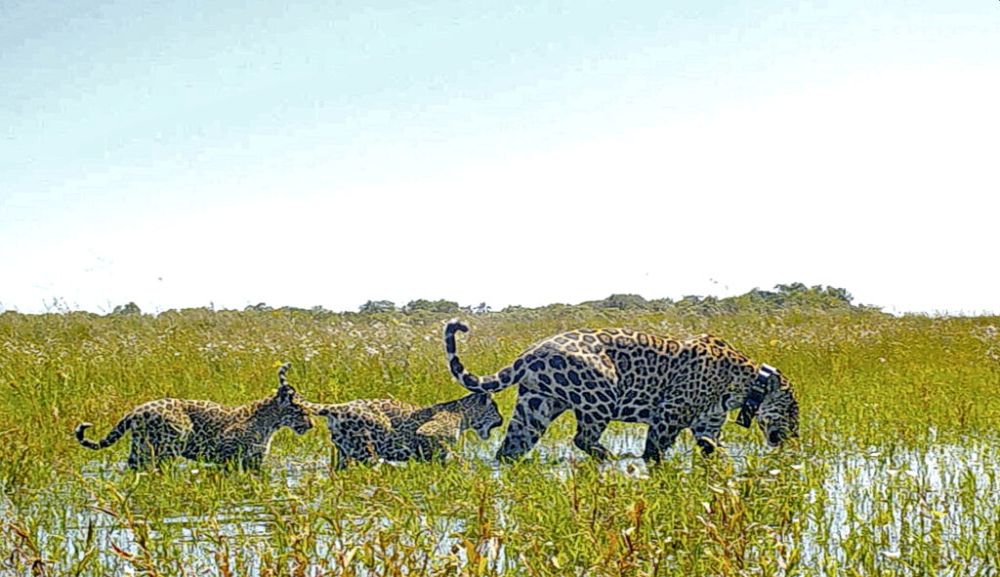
(795, 296)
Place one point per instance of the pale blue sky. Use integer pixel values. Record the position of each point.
(182, 153)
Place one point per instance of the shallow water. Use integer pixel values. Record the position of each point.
(899, 497)
(896, 496)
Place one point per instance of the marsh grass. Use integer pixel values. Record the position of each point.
(897, 471)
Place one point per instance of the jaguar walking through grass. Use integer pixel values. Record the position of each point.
(622, 375)
(204, 430)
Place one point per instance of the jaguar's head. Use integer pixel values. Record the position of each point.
(778, 416)
(481, 414)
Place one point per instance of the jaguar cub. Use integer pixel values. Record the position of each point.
(206, 431)
(365, 430)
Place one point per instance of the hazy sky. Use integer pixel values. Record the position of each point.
(185, 153)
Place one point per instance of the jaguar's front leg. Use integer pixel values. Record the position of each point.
(707, 428)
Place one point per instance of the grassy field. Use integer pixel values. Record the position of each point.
(897, 471)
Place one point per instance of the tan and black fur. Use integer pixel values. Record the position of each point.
(366, 430)
(204, 430)
(622, 375)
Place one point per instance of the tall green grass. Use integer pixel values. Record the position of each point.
(897, 471)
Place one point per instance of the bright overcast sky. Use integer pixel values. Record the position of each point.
(183, 154)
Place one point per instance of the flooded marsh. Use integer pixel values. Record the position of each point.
(897, 470)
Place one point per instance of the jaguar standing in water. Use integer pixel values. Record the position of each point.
(204, 430)
(622, 375)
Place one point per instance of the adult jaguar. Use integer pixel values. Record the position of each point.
(622, 375)
(204, 430)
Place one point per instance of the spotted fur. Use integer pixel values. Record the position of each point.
(622, 375)
(369, 429)
(206, 431)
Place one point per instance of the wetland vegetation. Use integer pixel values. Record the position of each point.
(896, 472)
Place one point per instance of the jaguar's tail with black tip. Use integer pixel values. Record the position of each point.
(488, 384)
(120, 429)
